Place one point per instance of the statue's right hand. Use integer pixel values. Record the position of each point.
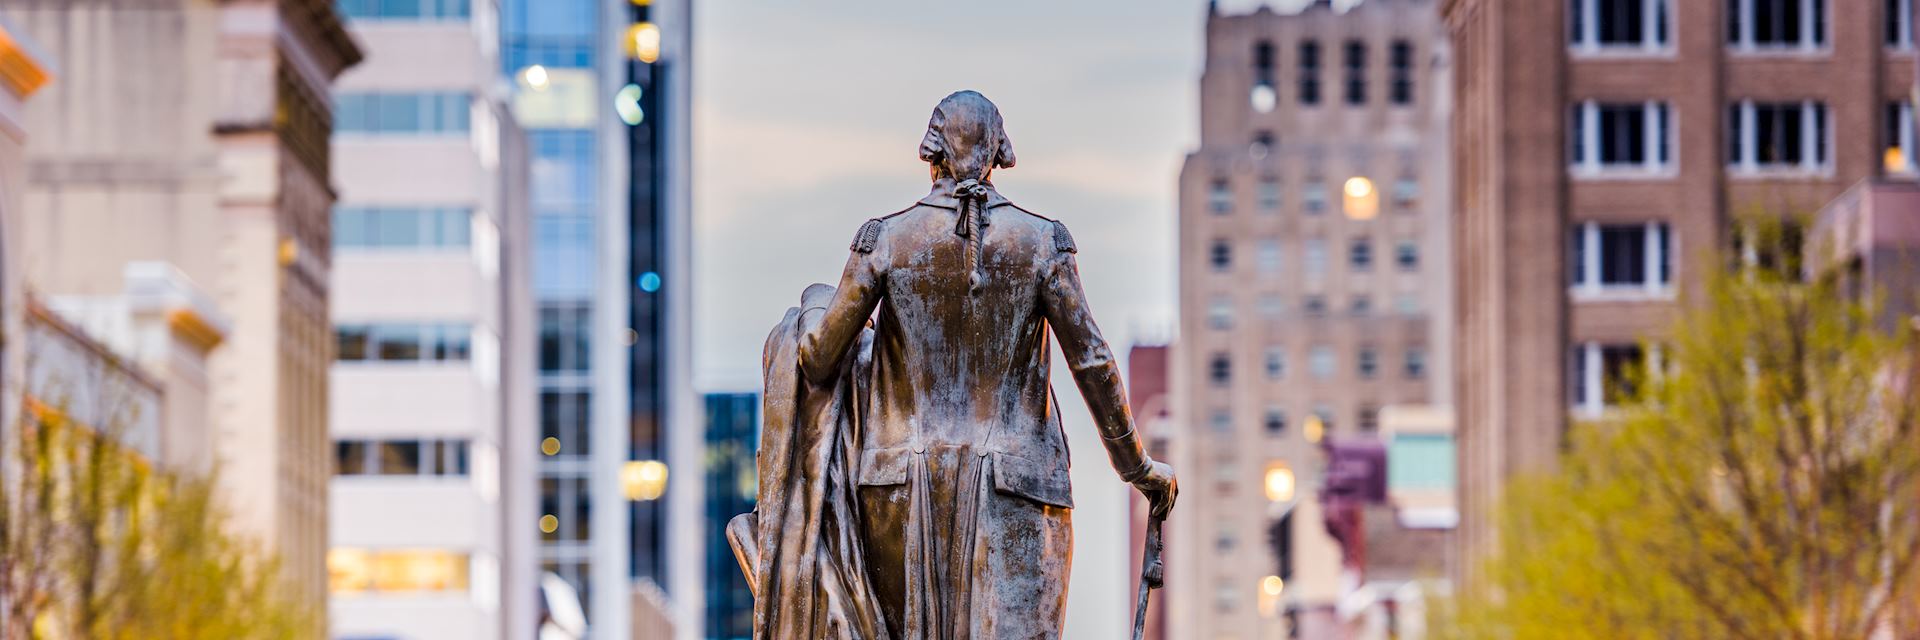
(1160, 486)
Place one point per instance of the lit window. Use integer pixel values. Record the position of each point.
(1356, 64)
(1269, 194)
(1618, 24)
(389, 228)
(1360, 255)
(1367, 362)
(1220, 197)
(1321, 361)
(1276, 421)
(1220, 313)
(1407, 256)
(1900, 24)
(1416, 363)
(403, 342)
(401, 113)
(1631, 258)
(1776, 136)
(1276, 362)
(351, 571)
(1309, 74)
(1602, 375)
(1221, 255)
(1267, 256)
(1776, 24)
(1400, 83)
(1899, 134)
(1315, 257)
(1220, 370)
(1313, 197)
(1610, 137)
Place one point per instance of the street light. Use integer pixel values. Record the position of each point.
(643, 480)
(1279, 482)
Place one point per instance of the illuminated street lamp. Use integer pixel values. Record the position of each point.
(1279, 482)
(1361, 200)
(643, 42)
(643, 480)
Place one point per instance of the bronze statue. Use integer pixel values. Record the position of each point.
(913, 469)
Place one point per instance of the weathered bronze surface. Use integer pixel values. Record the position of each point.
(913, 472)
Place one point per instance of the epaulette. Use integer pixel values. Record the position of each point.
(1063, 241)
(869, 234)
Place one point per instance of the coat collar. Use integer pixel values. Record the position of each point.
(942, 195)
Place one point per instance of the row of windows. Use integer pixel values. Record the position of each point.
(404, 342)
(1268, 195)
(400, 457)
(1269, 258)
(1220, 311)
(406, 9)
(437, 112)
(352, 571)
(402, 227)
(1264, 94)
(1275, 421)
(1322, 364)
(1638, 136)
(1616, 24)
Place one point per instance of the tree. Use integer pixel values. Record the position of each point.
(1760, 482)
(97, 543)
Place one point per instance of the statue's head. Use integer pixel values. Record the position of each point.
(965, 138)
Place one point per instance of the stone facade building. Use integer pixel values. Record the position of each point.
(1606, 150)
(1313, 286)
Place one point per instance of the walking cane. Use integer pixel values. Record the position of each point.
(1151, 573)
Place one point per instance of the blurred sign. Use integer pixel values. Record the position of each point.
(562, 99)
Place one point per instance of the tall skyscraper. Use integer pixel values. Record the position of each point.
(1606, 150)
(732, 478)
(432, 397)
(602, 91)
(1313, 292)
(225, 173)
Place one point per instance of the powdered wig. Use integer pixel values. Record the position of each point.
(966, 137)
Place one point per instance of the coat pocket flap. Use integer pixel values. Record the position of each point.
(1031, 479)
(883, 467)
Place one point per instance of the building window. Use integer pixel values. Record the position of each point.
(1407, 256)
(1400, 83)
(1406, 304)
(406, 9)
(1406, 193)
(1356, 63)
(1315, 306)
(1276, 362)
(1416, 363)
(1262, 145)
(1314, 258)
(1603, 374)
(1266, 256)
(1220, 197)
(1900, 24)
(1608, 137)
(403, 342)
(1636, 259)
(1360, 306)
(1773, 136)
(564, 416)
(1221, 421)
(391, 113)
(1313, 197)
(354, 571)
(1269, 194)
(402, 227)
(1220, 313)
(1324, 413)
(1224, 541)
(1776, 24)
(1618, 24)
(1360, 255)
(1368, 418)
(1899, 136)
(1221, 255)
(1276, 421)
(1272, 305)
(1321, 362)
(1262, 96)
(1309, 75)
(400, 457)
(1220, 370)
(1366, 362)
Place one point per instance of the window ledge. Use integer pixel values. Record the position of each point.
(1621, 52)
(1604, 173)
(1780, 51)
(1779, 172)
(1620, 293)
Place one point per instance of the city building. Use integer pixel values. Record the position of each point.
(733, 484)
(1605, 152)
(222, 171)
(1313, 292)
(603, 90)
(431, 406)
